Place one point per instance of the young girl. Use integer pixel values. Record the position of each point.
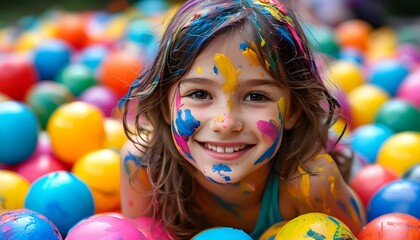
(231, 125)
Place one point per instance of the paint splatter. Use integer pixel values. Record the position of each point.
(199, 70)
(132, 162)
(186, 126)
(228, 71)
(271, 130)
(219, 168)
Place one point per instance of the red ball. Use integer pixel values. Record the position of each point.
(38, 165)
(17, 75)
(391, 226)
(370, 178)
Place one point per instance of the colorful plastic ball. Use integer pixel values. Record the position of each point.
(322, 38)
(408, 53)
(272, 231)
(119, 69)
(315, 225)
(102, 97)
(391, 226)
(400, 152)
(222, 233)
(106, 228)
(347, 75)
(365, 102)
(399, 115)
(367, 139)
(13, 189)
(409, 89)
(152, 229)
(388, 74)
(402, 196)
(351, 54)
(382, 44)
(26, 224)
(38, 165)
(18, 132)
(17, 75)
(92, 56)
(76, 129)
(50, 57)
(45, 97)
(369, 179)
(71, 27)
(4, 98)
(115, 136)
(77, 78)
(62, 197)
(413, 173)
(354, 33)
(99, 170)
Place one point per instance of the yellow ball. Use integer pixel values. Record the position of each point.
(115, 135)
(13, 189)
(365, 102)
(347, 75)
(100, 170)
(315, 226)
(272, 231)
(400, 151)
(76, 129)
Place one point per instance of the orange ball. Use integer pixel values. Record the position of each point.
(354, 33)
(72, 29)
(76, 129)
(119, 69)
(100, 170)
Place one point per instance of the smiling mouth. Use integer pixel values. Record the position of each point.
(223, 149)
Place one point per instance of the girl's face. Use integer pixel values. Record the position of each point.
(227, 113)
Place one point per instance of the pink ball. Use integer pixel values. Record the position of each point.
(410, 88)
(102, 97)
(104, 227)
(38, 165)
(151, 229)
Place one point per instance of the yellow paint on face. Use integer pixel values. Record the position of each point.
(281, 104)
(199, 70)
(333, 188)
(251, 56)
(220, 119)
(228, 71)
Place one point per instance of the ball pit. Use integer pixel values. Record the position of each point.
(222, 233)
(13, 189)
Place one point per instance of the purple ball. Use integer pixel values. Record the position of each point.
(102, 97)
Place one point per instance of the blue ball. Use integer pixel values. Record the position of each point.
(367, 139)
(401, 196)
(62, 197)
(388, 75)
(50, 57)
(92, 56)
(18, 132)
(27, 224)
(222, 233)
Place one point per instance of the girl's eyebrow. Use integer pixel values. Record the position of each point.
(250, 82)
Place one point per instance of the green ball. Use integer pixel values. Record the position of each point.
(399, 115)
(45, 97)
(77, 78)
(322, 39)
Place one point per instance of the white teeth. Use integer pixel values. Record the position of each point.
(221, 149)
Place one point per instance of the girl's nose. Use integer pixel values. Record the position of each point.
(226, 124)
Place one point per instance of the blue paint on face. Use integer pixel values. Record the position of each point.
(271, 150)
(187, 126)
(222, 167)
(216, 70)
(243, 46)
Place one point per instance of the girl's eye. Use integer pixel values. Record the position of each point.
(200, 95)
(256, 97)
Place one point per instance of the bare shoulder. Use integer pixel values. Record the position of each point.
(324, 190)
(135, 184)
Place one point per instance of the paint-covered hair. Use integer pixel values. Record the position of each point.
(278, 40)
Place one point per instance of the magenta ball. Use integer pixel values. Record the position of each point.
(38, 165)
(410, 88)
(106, 228)
(102, 97)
